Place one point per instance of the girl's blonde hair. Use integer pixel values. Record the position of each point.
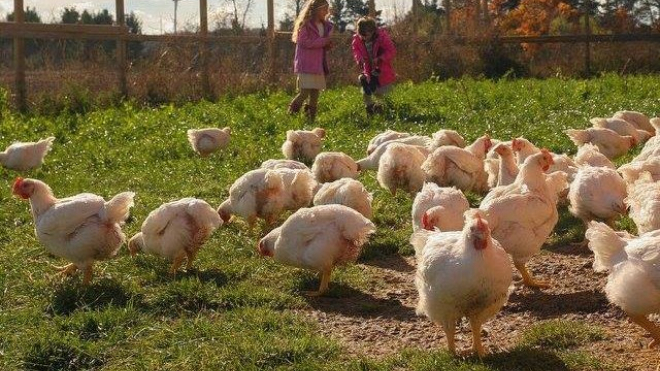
(306, 14)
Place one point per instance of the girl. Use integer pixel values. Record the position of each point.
(311, 33)
(373, 51)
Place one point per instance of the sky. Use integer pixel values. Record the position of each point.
(157, 16)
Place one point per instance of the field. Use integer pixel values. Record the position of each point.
(237, 311)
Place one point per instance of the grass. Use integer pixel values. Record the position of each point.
(234, 310)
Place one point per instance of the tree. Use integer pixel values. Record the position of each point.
(31, 16)
(69, 16)
(240, 11)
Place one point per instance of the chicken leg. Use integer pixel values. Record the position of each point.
(176, 264)
(191, 255)
(528, 279)
(477, 346)
(450, 332)
(648, 326)
(87, 278)
(325, 280)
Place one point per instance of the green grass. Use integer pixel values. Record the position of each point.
(233, 310)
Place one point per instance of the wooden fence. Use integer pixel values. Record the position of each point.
(18, 30)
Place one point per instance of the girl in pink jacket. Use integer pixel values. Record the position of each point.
(373, 51)
(311, 33)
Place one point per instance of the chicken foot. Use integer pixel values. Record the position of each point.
(450, 333)
(176, 264)
(528, 279)
(477, 345)
(87, 277)
(66, 270)
(648, 326)
(325, 280)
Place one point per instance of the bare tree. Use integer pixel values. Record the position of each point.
(240, 11)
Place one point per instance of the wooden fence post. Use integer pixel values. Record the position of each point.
(204, 49)
(121, 50)
(19, 59)
(271, 43)
(447, 4)
(587, 46)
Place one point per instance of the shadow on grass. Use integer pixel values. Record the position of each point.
(524, 359)
(72, 296)
(545, 305)
(345, 300)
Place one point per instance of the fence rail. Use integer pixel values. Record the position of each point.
(119, 32)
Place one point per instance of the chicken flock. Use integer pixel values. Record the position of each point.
(464, 255)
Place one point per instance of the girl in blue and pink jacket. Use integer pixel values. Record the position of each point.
(373, 51)
(311, 33)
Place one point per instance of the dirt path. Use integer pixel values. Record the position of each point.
(381, 320)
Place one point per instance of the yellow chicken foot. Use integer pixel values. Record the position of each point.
(527, 278)
(450, 332)
(477, 345)
(648, 326)
(66, 270)
(325, 280)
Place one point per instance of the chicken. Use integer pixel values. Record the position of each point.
(644, 202)
(631, 172)
(638, 119)
(26, 156)
(589, 155)
(400, 167)
(383, 137)
(209, 140)
(257, 193)
(303, 145)
(506, 169)
(461, 274)
(523, 214)
(318, 238)
(597, 193)
(299, 187)
(330, 166)
(622, 127)
(634, 280)
(278, 164)
(371, 162)
(652, 146)
(446, 138)
(348, 192)
(176, 230)
(523, 148)
(611, 144)
(81, 229)
(441, 208)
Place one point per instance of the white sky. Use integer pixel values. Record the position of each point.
(158, 15)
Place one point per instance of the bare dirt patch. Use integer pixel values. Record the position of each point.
(381, 321)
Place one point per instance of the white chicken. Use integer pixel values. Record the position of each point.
(597, 193)
(446, 137)
(506, 169)
(461, 274)
(303, 145)
(631, 172)
(299, 187)
(330, 166)
(257, 193)
(278, 164)
(400, 167)
(81, 229)
(523, 148)
(318, 238)
(644, 202)
(622, 127)
(523, 214)
(348, 192)
(26, 156)
(438, 207)
(371, 162)
(176, 231)
(589, 155)
(638, 119)
(609, 142)
(209, 140)
(634, 280)
(460, 167)
(383, 137)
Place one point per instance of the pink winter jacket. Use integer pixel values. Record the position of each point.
(383, 48)
(310, 49)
